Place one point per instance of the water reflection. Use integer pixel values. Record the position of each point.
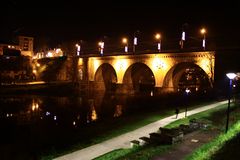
(118, 111)
(65, 111)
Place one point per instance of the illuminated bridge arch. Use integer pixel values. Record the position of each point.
(186, 75)
(139, 78)
(105, 77)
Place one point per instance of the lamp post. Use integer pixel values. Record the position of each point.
(187, 92)
(158, 38)
(203, 32)
(183, 38)
(230, 76)
(135, 40)
(101, 47)
(125, 42)
(78, 49)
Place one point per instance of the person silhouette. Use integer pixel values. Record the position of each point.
(177, 111)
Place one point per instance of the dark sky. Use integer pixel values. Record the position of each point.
(91, 20)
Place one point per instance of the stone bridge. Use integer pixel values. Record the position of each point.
(167, 72)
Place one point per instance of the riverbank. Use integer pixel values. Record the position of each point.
(123, 141)
(190, 142)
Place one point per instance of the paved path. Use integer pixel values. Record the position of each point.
(123, 141)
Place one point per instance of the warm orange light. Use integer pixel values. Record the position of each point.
(124, 40)
(203, 31)
(158, 36)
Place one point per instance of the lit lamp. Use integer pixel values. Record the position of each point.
(187, 92)
(230, 76)
(78, 49)
(203, 32)
(135, 41)
(101, 47)
(158, 38)
(183, 38)
(125, 42)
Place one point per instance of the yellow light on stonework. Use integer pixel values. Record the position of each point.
(96, 64)
(158, 64)
(121, 64)
(80, 61)
(205, 65)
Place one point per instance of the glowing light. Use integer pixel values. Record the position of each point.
(231, 75)
(183, 36)
(203, 31)
(151, 93)
(55, 118)
(34, 71)
(126, 49)
(101, 45)
(93, 114)
(187, 90)
(49, 54)
(35, 106)
(157, 36)
(74, 123)
(58, 50)
(38, 65)
(78, 49)
(124, 40)
(48, 113)
(158, 64)
(121, 64)
(135, 41)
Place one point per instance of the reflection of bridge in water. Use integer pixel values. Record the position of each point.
(155, 72)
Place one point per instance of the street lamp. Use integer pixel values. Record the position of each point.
(158, 38)
(203, 32)
(125, 42)
(187, 92)
(101, 47)
(182, 39)
(78, 49)
(135, 40)
(230, 76)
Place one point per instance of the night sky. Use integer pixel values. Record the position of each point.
(91, 20)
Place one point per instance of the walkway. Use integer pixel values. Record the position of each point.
(123, 141)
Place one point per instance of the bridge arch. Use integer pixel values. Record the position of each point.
(105, 77)
(186, 75)
(139, 78)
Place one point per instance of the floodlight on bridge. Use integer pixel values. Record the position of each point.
(101, 45)
(78, 49)
(203, 32)
(125, 42)
(158, 38)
